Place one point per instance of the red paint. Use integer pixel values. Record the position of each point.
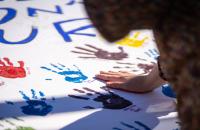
(7, 69)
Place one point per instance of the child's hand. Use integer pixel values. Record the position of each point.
(130, 82)
(120, 80)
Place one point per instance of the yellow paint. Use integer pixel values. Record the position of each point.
(132, 40)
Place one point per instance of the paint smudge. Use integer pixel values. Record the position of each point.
(132, 41)
(35, 106)
(109, 100)
(138, 124)
(72, 2)
(168, 91)
(9, 102)
(8, 70)
(94, 52)
(75, 76)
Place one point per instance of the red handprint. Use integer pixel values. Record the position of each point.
(7, 69)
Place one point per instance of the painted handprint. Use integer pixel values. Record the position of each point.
(109, 100)
(145, 67)
(8, 70)
(75, 76)
(152, 53)
(36, 105)
(132, 41)
(139, 126)
(95, 52)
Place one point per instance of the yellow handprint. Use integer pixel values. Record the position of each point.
(132, 40)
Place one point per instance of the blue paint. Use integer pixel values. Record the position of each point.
(11, 13)
(33, 94)
(152, 53)
(71, 2)
(168, 91)
(9, 102)
(66, 35)
(33, 11)
(24, 96)
(75, 76)
(35, 106)
(115, 128)
(140, 124)
(143, 125)
(41, 94)
(127, 125)
(31, 36)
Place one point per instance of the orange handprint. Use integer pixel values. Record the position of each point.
(8, 70)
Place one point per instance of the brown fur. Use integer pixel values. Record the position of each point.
(176, 27)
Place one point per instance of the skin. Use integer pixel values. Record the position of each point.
(124, 80)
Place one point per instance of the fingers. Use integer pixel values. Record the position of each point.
(93, 47)
(88, 50)
(109, 73)
(108, 77)
(114, 84)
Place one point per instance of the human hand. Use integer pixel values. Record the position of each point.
(131, 82)
(123, 80)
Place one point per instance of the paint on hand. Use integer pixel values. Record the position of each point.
(94, 52)
(75, 76)
(132, 41)
(8, 70)
(109, 100)
(35, 105)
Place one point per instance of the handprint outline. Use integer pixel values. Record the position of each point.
(8, 70)
(67, 73)
(94, 52)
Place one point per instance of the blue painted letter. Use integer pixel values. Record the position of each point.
(66, 36)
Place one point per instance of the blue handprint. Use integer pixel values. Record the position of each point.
(35, 106)
(152, 53)
(133, 127)
(75, 76)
